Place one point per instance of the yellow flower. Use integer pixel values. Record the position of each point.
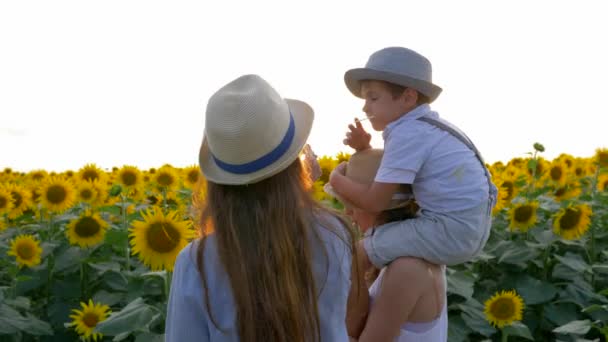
(2, 224)
(192, 175)
(86, 319)
(26, 249)
(91, 172)
(87, 230)
(601, 157)
(523, 216)
(129, 177)
(166, 177)
(57, 194)
(159, 238)
(572, 222)
(504, 308)
(86, 192)
(565, 192)
(557, 172)
(6, 201)
(602, 183)
(21, 200)
(37, 176)
(327, 164)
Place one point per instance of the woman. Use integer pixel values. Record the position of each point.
(408, 297)
(275, 266)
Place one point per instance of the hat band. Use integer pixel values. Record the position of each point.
(264, 160)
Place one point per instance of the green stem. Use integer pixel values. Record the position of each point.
(83, 294)
(168, 277)
(504, 336)
(123, 200)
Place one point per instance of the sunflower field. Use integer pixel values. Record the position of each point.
(88, 254)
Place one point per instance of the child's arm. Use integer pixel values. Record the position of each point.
(373, 198)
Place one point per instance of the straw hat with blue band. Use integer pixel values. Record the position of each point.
(251, 132)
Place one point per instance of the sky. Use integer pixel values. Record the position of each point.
(127, 82)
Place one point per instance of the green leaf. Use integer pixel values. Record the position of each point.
(574, 327)
(71, 257)
(461, 283)
(519, 254)
(534, 291)
(115, 280)
(574, 261)
(12, 321)
(458, 330)
(519, 329)
(134, 317)
(104, 266)
(149, 337)
(473, 316)
(108, 298)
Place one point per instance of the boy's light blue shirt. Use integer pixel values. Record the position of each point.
(445, 174)
(187, 316)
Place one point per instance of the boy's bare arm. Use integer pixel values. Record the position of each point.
(373, 198)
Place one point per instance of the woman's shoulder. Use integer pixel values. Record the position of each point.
(409, 267)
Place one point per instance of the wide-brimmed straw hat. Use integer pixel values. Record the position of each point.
(396, 65)
(362, 168)
(251, 132)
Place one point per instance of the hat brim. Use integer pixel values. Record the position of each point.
(353, 79)
(303, 116)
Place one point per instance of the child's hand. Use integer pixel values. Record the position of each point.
(357, 138)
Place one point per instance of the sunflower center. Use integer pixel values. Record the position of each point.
(90, 319)
(86, 194)
(128, 178)
(162, 237)
(605, 185)
(90, 175)
(578, 171)
(570, 219)
(37, 176)
(560, 191)
(603, 158)
(3, 202)
(165, 179)
(87, 226)
(17, 199)
(509, 186)
(193, 176)
(25, 251)
(56, 194)
(503, 309)
(523, 213)
(556, 173)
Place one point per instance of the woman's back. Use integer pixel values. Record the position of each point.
(189, 320)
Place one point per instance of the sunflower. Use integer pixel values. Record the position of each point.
(582, 167)
(504, 308)
(91, 172)
(129, 177)
(342, 157)
(572, 222)
(327, 164)
(26, 249)
(567, 159)
(2, 224)
(86, 319)
(37, 176)
(86, 192)
(21, 200)
(601, 157)
(602, 184)
(569, 190)
(57, 194)
(166, 177)
(87, 230)
(523, 216)
(6, 201)
(557, 172)
(159, 238)
(191, 175)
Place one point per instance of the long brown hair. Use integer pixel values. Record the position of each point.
(264, 233)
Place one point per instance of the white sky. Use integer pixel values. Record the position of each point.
(126, 82)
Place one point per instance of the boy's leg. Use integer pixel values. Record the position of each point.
(444, 239)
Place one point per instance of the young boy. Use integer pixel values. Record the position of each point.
(448, 176)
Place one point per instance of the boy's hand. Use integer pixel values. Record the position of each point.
(357, 138)
(338, 170)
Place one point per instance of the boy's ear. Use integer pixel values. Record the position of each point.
(410, 96)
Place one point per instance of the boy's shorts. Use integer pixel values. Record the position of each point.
(441, 238)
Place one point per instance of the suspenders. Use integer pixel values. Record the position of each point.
(465, 140)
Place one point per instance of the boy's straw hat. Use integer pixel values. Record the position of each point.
(396, 65)
(362, 168)
(251, 132)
